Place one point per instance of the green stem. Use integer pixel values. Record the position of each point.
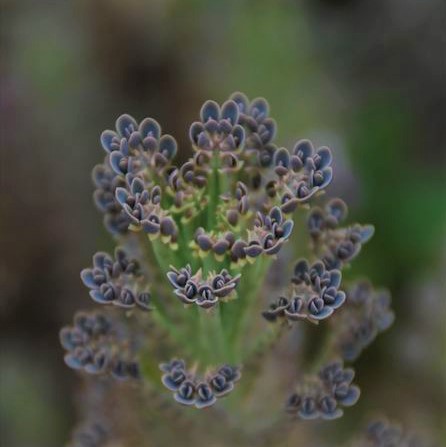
(214, 192)
(212, 337)
(251, 282)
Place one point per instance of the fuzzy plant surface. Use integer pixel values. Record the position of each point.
(225, 293)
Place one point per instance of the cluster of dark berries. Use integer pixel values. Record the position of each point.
(96, 346)
(314, 294)
(189, 389)
(323, 396)
(336, 245)
(367, 313)
(193, 289)
(116, 281)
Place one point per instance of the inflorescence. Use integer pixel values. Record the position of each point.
(324, 395)
(206, 232)
(314, 294)
(205, 293)
(117, 281)
(190, 389)
(96, 344)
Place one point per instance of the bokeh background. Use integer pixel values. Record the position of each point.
(367, 78)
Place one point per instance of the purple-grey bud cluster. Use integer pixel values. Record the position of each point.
(367, 313)
(260, 129)
(383, 434)
(116, 281)
(193, 289)
(95, 345)
(185, 185)
(267, 236)
(106, 181)
(141, 204)
(270, 232)
(323, 396)
(192, 390)
(237, 206)
(134, 147)
(218, 132)
(337, 246)
(131, 149)
(302, 173)
(314, 296)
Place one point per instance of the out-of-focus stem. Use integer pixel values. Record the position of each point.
(250, 284)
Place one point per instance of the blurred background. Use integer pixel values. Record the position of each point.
(367, 78)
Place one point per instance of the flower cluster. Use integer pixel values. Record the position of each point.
(336, 245)
(204, 293)
(323, 396)
(266, 236)
(383, 434)
(367, 314)
(141, 204)
(189, 389)
(134, 147)
(106, 181)
(218, 131)
(207, 231)
(116, 281)
(314, 294)
(96, 345)
(302, 173)
(259, 128)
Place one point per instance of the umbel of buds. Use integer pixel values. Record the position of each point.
(196, 242)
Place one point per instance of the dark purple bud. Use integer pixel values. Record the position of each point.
(126, 298)
(168, 227)
(186, 393)
(125, 125)
(210, 110)
(174, 378)
(204, 396)
(143, 300)
(293, 403)
(220, 385)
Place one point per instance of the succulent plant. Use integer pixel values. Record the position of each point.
(188, 283)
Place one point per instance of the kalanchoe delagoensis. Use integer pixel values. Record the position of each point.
(96, 345)
(192, 390)
(324, 396)
(314, 294)
(207, 231)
